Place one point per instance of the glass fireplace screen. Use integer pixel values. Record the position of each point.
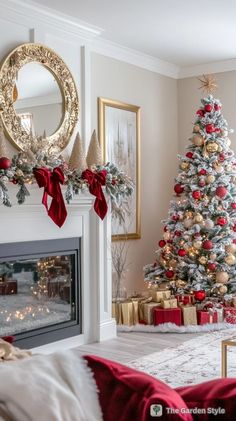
(36, 292)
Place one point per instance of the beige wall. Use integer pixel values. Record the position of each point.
(157, 97)
(189, 96)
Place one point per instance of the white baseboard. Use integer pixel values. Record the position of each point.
(108, 330)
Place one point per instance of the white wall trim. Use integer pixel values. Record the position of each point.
(128, 55)
(216, 67)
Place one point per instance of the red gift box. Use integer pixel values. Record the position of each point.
(230, 315)
(166, 315)
(204, 316)
(185, 299)
(8, 287)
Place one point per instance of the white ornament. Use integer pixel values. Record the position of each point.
(230, 259)
(219, 169)
(209, 224)
(231, 248)
(222, 277)
(166, 236)
(188, 223)
(197, 244)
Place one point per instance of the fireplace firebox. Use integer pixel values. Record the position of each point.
(40, 291)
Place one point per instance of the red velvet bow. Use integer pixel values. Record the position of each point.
(51, 182)
(95, 182)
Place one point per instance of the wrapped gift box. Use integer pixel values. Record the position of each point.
(8, 287)
(189, 314)
(167, 315)
(148, 312)
(184, 299)
(116, 312)
(171, 303)
(158, 296)
(126, 312)
(230, 315)
(205, 316)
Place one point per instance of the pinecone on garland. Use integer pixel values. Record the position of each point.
(198, 246)
(77, 159)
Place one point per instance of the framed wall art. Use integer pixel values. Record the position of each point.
(119, 135)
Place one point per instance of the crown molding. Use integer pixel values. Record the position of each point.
(208, 68)
(31, 14)
(137, 58)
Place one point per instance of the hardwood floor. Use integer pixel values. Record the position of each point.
(130, 346)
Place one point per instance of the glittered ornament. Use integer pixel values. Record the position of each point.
(207, 245)
(210, 128)
(202, 171)
(184, 166)
(221, 221)
(5, 163)
(202, 260)
(178, 233)
(173, 263)
(197, 140)
(180, 283)
(231, 248)
(178, 189)
(212, 147)
(222, 289)
(211, 266)
(230, 259)
(196, 128)
(200, 113)
(210, 179)
(219, 169)
(188, 223)
(198, 218)
(189, 155)
(162, 243)
(222, 277)
(188, 214)
(197, 244)
(196, 194)
(201, 182)
(221, 191)
(169, 274)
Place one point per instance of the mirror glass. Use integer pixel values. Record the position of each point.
(38, 100)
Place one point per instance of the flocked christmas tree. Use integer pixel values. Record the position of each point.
(198, 248)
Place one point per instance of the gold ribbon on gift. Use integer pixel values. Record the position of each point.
(189, 315)
(171, 303)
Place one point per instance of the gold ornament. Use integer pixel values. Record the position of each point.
(198, 140)
(196, 128)
(166, 236)
(202, 260)
(210, 179)
(19, 173)
(197, 244)
(188, 214)
(184, 165)
(222, 289)
(198, 218)
(188, 223)
(173, 263)
(230, 259)
(222, 277)
(179, 283)
(219, 169)
(212, 147)
(231, 248)
(208, 83)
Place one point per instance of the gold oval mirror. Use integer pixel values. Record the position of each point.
(38, 98)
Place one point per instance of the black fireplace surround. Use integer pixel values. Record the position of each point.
(40, 291)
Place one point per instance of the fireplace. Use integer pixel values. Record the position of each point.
(40, 292)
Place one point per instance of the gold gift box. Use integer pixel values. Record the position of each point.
(148, 312)
(126, 312)
(189, 315)
(171, 303)
(158, 296)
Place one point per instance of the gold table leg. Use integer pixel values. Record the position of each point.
(223, 359)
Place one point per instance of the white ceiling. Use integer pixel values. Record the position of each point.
(183, 32)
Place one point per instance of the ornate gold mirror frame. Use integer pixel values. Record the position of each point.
(28, 53)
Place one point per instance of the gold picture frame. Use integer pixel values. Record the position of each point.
(122, 121)
(46, 57)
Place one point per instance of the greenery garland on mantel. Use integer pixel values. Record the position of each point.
(20, 171)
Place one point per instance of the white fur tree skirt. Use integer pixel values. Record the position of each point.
(173, 328)
(195, 361)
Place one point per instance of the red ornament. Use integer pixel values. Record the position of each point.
(234, 228)
(162, 243)
(196, 194)
(210, 128)
(207, 245)
(178, 189)
(170, 241)
(5, 163)
(189, 155)
(217, 129)
(221, 221)
(202, 172)
(217, 107)
(234, 240)
(182, 252)
(201, 183)
(221, 157)
(178, 233)
(211, 266)
(165, 228)
(175, 217)
(221, 192)
(233, 205)
(200, 295)
(208, 108)
(200, 113)
(170, 274)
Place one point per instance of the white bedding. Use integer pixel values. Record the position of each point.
(55, 387)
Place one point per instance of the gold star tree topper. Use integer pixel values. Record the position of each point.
(208, 83)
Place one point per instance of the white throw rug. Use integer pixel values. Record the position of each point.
(173, 328)
(195, 361)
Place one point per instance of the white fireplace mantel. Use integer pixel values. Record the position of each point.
(30, 222)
